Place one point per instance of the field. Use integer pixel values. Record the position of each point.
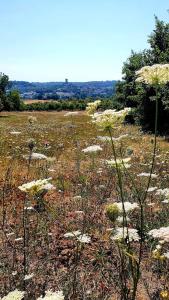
(30, 101)
(61, 238)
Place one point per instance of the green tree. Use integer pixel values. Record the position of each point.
(4, 81)
(8, 100)
(14, 100)
(140, 96)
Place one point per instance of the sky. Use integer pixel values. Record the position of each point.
(82, 40)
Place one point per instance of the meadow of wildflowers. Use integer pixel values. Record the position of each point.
(84, 206)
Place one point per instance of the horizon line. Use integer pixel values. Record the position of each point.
(64, 81)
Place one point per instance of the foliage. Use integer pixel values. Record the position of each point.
(62, 90)
(140, 96)
(72, 104)
(8, 100)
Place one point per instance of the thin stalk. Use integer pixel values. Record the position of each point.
(144, 199)
(24, 240)
(119, 179)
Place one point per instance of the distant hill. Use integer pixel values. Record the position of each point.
(64, 90)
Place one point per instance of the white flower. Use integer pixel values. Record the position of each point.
(156, 74)
(110, 118)
(35, 156)
(120, 219)
(15, 295)
(36, 186)
(78, 197)
(15, 132)
(84, 238)
(127, 205)
(118, 139)
(151, 204)
(72, 234)
(161, 233)
(29, 208)
(14, 273)
(147, 175)
(29, 276)
(120, 162)
(121, 233)
(19, 239)
(79, 212)
(10, 234)
(52, 170)
(165, 201)
(71, 113)
(92, 149)
(92, 106)
(99, 171)
(104, 138)
(102, 186)
(53, 296)
(151, 189)
(158, 247)
(163, 192)
(166, 254)
(49, 187)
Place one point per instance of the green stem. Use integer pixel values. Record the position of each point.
(119, 179)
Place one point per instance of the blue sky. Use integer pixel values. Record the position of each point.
(82, 40)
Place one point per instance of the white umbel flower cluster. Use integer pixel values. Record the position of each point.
(92, 106)
(71, 113)
(163, 192)
(122, 232)
(53, 296)
(166, 255)
(72, 234)
(151, 189)
(108, 139)
(121, 137)
(15, 295)
(104, 138)
(120, 219)
(147, 175)
(92, 149)
(162, 233)
(156, 74)
(29, 276)
(110, 118)
(36, 156)
(128, 206)
(15, 132)
(82, 238)
(120, 162)
(36, 186)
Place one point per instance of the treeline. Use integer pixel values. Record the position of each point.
(64, 90)
(72, 104)
(10, 101)
(55, 105)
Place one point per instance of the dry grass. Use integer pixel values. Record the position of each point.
(30, 101)
(50, 256)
